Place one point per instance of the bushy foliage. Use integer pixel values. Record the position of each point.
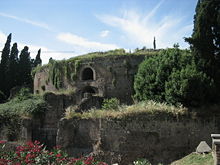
(24, 104)
(172, 77)
(110, 104)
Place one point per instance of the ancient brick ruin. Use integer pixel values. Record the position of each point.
(105, 77)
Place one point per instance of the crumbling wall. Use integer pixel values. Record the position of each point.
(125, 140)
(44, 126)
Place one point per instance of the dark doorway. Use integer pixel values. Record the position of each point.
(88, 91)
(87, 74)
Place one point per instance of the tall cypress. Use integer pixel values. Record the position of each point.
(154, 43)
(12, 75)
(205, 39)
(38, 60)
(4, 64)
(25, 67)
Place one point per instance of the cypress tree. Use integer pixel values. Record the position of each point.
(38, 60)
(4, 64)
(154, 43)
(25, 67)
(12, 76)
(205, 39)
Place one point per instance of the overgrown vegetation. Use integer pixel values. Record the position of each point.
(172, 77)
(149, 109)
(110, 104)
(66, 70)
(24, 104)
(59, 70)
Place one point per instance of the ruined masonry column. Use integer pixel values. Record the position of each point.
(216, 148)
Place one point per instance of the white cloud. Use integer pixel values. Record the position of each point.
(104, 33)
(3, 39)
(46, 53)
(28, 21)
(140, 29)
(83, 43)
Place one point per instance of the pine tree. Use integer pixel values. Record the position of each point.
(12, 74)
(37, 60)
(4, 64)
(25, 67)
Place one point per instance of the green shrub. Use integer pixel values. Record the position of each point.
(154, 71)
(189, 87)
(24, 104)
(23, 94)
(109, 104)
(173, 77)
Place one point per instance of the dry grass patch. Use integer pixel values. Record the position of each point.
(150, 107)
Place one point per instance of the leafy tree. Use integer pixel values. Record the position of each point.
(12, 76)
(154, 72)
(173, 77)
(189, 87)
(25, 67)
(37, 60)
(4, 64)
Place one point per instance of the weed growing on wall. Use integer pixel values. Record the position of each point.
(62, 70)
(112, 103)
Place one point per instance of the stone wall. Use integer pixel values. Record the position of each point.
(112, 76)
(216, 148)
(44, 127)
(125, 140)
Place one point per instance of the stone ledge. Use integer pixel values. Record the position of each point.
(215, 136)
(216, 141)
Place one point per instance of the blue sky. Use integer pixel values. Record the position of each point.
(83, 26)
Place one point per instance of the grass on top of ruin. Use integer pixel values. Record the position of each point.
(150, 108)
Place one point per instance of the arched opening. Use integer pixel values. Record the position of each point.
(87, 74)
(88, 91)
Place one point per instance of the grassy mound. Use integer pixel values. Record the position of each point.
(195, 159)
